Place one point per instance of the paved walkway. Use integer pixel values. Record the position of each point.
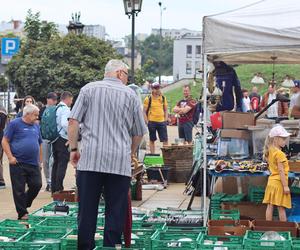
(170, 197)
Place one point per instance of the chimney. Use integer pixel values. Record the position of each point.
(16, 24)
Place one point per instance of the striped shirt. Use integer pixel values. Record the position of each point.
(110, 115)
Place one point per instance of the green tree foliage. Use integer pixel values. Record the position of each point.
(38, 30)
(53, 63)
(66, 63)
(151, 54)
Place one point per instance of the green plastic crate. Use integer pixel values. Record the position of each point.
(21, 246)
(39, 215)
(296, 243)
(150, 160)
(14, 233)
(113, 248)
(65, 222)
(161, 240)
(51, 239)
(252, 241)
(52, 229)
(256, 194)
(14, 223)
(141, 238)
(218, 214)
(185, 229)
(213, 242)
(153, 226)
(71, 244)
(295, 190)
(233, 198)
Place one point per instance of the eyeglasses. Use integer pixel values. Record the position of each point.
(126, 73)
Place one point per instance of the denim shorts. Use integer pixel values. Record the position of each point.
(185, 131)
(161, 128)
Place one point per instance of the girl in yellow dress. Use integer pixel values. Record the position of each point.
(277, 192)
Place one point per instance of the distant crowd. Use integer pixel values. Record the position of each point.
(253, 102)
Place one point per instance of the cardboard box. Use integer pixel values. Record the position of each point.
(237, 120)
(228, 227)
(235, 133)
(248, 210)
(265, 122)
(294, 166)
(277, 226)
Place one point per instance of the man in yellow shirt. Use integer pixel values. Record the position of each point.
(156, 116)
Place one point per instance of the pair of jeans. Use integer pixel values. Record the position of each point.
(47, 160)
(61, 156)
(90, 186)
(20, 175)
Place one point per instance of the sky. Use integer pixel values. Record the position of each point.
(110, 13)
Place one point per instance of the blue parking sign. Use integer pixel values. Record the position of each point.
(9, 47)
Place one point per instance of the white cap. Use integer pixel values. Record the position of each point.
(278, 131)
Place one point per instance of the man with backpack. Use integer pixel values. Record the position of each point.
(185, 109)
(45, 123)
(156, 116)
(61, 154)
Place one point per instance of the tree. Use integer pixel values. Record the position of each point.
(38, 30)
(66, 63)
(151, 54)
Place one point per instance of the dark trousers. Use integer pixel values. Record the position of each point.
(90, 186)
(61, 158)
(20, 175)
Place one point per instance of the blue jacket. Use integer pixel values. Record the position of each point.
(227, 81)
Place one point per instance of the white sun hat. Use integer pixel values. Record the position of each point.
(278, 131)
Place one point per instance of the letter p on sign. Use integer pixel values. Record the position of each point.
(10, 46)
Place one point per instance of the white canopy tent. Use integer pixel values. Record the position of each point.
(267, 31)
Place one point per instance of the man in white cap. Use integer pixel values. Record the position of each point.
(156, 116)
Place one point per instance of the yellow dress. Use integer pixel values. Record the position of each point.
(274, 191)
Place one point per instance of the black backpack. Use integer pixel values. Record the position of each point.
(198, 110)
(150, 101)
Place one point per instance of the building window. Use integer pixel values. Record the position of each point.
(197, 66)
(188, 67)
(198, 51)
(189, 51)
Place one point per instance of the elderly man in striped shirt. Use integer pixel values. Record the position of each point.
(112, 127)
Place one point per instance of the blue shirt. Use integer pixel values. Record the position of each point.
(24, 140)
(62, 115)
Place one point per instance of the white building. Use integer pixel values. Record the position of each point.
(175, 33)
(97, 31)
(187, 57)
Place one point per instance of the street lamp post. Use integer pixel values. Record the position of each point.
(75, 26)
(160, 42)
(132, 8)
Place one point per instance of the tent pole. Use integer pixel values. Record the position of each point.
(204, 140)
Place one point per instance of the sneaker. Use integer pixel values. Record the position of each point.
(2, 185)
(48, 188)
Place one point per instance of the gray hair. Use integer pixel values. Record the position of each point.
(114, 65)
(29, 109)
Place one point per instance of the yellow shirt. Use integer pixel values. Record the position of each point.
(157, 109)
(277, 156)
